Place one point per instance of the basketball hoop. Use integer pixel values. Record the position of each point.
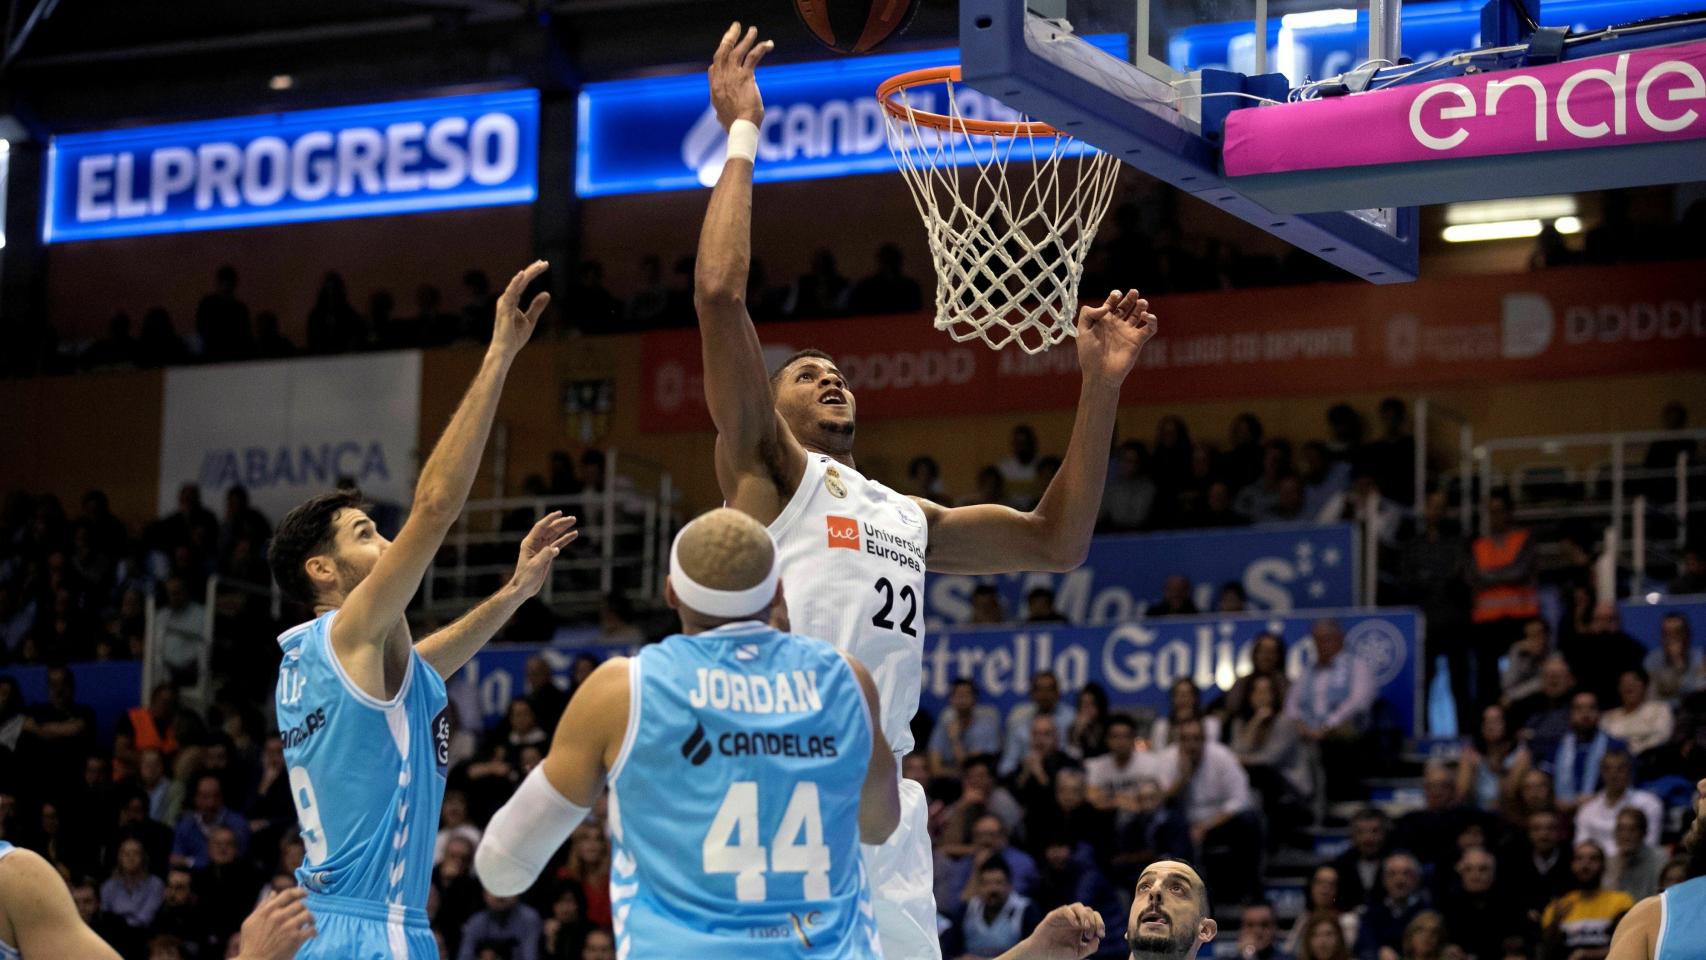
(1008, 257)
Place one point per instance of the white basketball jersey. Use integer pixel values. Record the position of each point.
(852, 555)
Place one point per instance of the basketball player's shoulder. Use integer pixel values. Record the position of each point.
(1638, 931)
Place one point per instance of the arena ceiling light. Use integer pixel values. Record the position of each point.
(1517, 208)
(281, 81)
(1506, 229)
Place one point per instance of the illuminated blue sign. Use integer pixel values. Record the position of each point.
(439, 154)
(820, 120)
(1322, 43)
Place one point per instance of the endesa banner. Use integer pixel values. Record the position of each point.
(1619, 99)
(1136, 662)
(438, 154)
(286, 431)
(820, 120)
(1572, 322)
(1281, 569)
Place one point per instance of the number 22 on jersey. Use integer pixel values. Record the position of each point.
(797, 847)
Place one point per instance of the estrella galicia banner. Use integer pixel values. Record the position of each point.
(1643, 620)
(1280, 568)
(284, 430)
(1135, 662)
(820, 120)
(438, 154)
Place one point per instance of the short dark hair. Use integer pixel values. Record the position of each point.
(812, 352)
(305, 532)
(963, 682)
(1046, 592)
(984, 760)
(996, 865)
(1639, 814)
(1204, 901)
(1371, 813)
(1122, 720)
(985, 590)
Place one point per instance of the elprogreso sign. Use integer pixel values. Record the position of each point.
(404, 157)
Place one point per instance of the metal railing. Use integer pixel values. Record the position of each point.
(198, 695)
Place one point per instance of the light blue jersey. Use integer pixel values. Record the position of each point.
(1682, 931)
(7, 951)
(734, 802)
(368, 778)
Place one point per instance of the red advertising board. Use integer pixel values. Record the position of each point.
(1582, 321)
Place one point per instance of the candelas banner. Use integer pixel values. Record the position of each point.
(1581, 321)
(288, 429)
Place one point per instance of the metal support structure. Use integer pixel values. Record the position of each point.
(1638, 541)
(666, 510)
(1466, 471)
(1371, 549)
(1384, 24)
(606, 572)
(1262, 37)
(1681, 499)
(1617, 484)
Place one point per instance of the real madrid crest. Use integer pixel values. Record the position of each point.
(832, 483)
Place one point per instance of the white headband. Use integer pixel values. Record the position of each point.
(720, 603)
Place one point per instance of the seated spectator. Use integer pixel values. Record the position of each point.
(1067, 873)
(1258, 931)
(458, 893)
(1674, 872)
(1478, 916)
(1358, 868)
(589, 866)
(1522, 666)
(986, 606)
(1534, 865)
(1676, 666)
(924, 481)
(1579, 923)
(1543, 717)
(964, 729)
(564, 933)
(1233, 599)
(1600, 656)
(1019, 469)
(195, 830)
(1575, 767)
(182, 918)
(1323, 477)
(1533, 794)
(543, 695)
(995, 917)
(1089, 734)
(132, 893)
(1186, 704)
(1175, 599)
(1157, 830)
(1129, 497)
(1258, 498)
(1634, 864)
(1384, 920)
(1596, 818)
(1492, 763)
(1267, 658)
(1432, 831)
(110, 928)
(1289, 504)
(1641, 723)
(1424, 938)
(1112, 778)
(989, 843)
(1068, 815)
(181, 632)
(991, 488)
(1215, 793)
(453, 822)
(1215, 509)
(1331, 704)
(1364, 503)
(1692, 577)
(134, 823)
(1045, 698)
(1321, 936)
(271, 811)
(507, 923)
(1039, 607)
(1035, 777)
(980, 795)
(1266, 744)
(226, 887)
(600, 945)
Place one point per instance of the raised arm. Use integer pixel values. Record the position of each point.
(448, 649)
(371, 611)
(756, 453)
(989, 538)
(879, 798)
(553, 800)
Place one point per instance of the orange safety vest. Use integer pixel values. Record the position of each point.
(147, 736)
(1510, 601)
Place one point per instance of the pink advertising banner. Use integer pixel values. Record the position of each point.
(1642, 96)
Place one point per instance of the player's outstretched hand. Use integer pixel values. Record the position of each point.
(734, 90)
(1111, 334)
(277, 928)
(513, 326)
(1071, 932)
(548, 537)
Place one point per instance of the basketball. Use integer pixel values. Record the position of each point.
(855, 26)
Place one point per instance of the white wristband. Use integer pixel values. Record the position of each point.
(743, 140)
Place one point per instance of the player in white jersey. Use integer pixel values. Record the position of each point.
(39, 920)
(853, 552)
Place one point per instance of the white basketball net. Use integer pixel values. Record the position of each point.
(1008, 256)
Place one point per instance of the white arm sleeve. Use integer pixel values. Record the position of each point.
(524, 834)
